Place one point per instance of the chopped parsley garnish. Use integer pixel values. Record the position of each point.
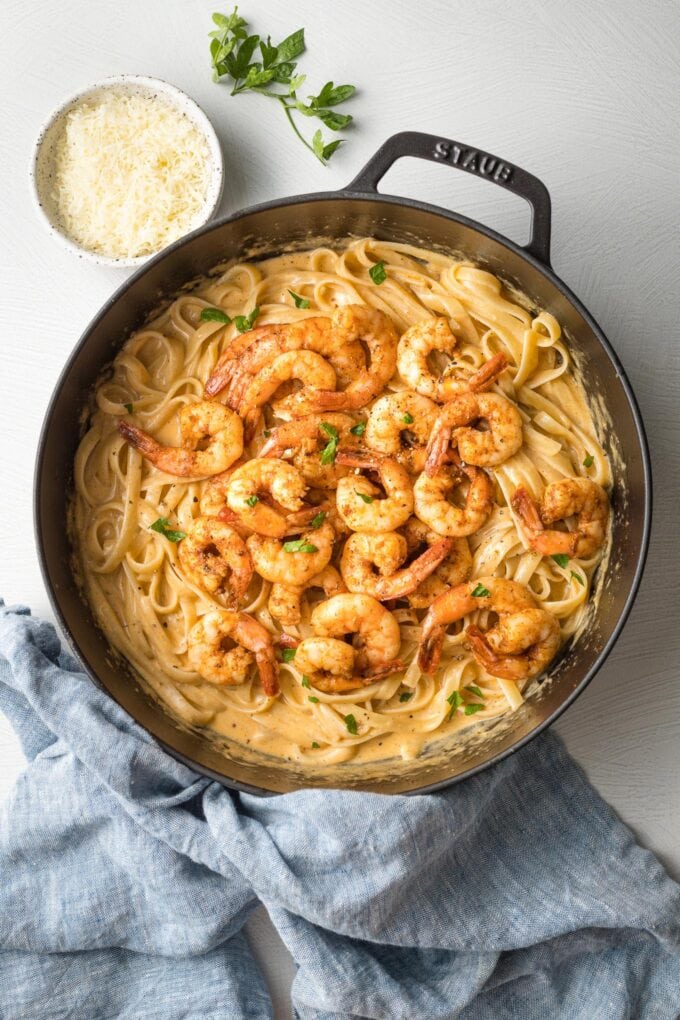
(378, 273)
(362, 495)
(288, 654)
(162, 526)
(305, 682)
(351, 724)
(319, 519)
(214, 315)
(407, 419)
(455, 701)
(330, 451)
(589, 461)
(267, 433)
(471, 709)
(474, 690)
(300, 302)
(128, 408)
(252, 500)
(245, 322)
(577, 577)
(406, 696)
(299, 545)
(561, 559)
(315, 745)
(358, 429)
(313, 700)
(480, 592)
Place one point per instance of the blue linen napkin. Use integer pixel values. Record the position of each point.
(127, 878)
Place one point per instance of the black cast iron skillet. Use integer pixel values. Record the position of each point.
(360, 211)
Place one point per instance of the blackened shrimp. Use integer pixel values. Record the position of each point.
(203, 422)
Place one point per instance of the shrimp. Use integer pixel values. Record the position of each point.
(334, 665)
(246, 485)
(375, 331)
(434, 509)
(292, 562)
(255, 349)
(214, 494)
(580, 497)
(304, 440)
(453, 569)
(310, 368)
(414, 349)
(519, 646)
(358, 500)
(199, 422)
(399, 425)
(231, 666)
(214, 557)
(522, 643)
(284, 599)
(501, 440)
(387, 552)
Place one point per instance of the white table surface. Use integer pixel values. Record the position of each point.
(581, 94)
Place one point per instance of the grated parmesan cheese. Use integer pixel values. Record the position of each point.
(131, 174)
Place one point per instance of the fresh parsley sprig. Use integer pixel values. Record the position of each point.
(233, 52)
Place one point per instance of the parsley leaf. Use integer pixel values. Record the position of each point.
(455, 701)
(474, 690)
(577, 577)
(480, 592)
(561, 559)
(128, 408)
(252, 500)
(299, 545)
(319, 519)
(378, 273)
(288, 654)
(300, 302)
(330, 451)
(162, 526)
(471, 709)
(233, 56)
(245, 322)
(358, 429)
(589, 461)
(214, 315)
(313, 700)
(408, 419)
(406, 696)
(315, 745)
(305, 682)
(351, 724)
(362, 495)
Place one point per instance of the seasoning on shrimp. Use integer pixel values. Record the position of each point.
(203, 421)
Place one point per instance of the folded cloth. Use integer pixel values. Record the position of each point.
(127, 878)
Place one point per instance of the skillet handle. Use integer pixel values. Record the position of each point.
(471, 161)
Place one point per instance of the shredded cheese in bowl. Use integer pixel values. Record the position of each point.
(130, 171)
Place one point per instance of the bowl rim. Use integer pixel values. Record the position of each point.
(536, 263)
(183, 102)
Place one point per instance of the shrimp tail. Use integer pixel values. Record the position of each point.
(268, 671)
(382, 670)
(431, 650)
(437, 451)
(488, 373)
(141, 440)
(506, 667)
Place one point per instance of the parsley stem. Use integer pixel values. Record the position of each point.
(295, 128)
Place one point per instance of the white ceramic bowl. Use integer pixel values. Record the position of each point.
(42, 164)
